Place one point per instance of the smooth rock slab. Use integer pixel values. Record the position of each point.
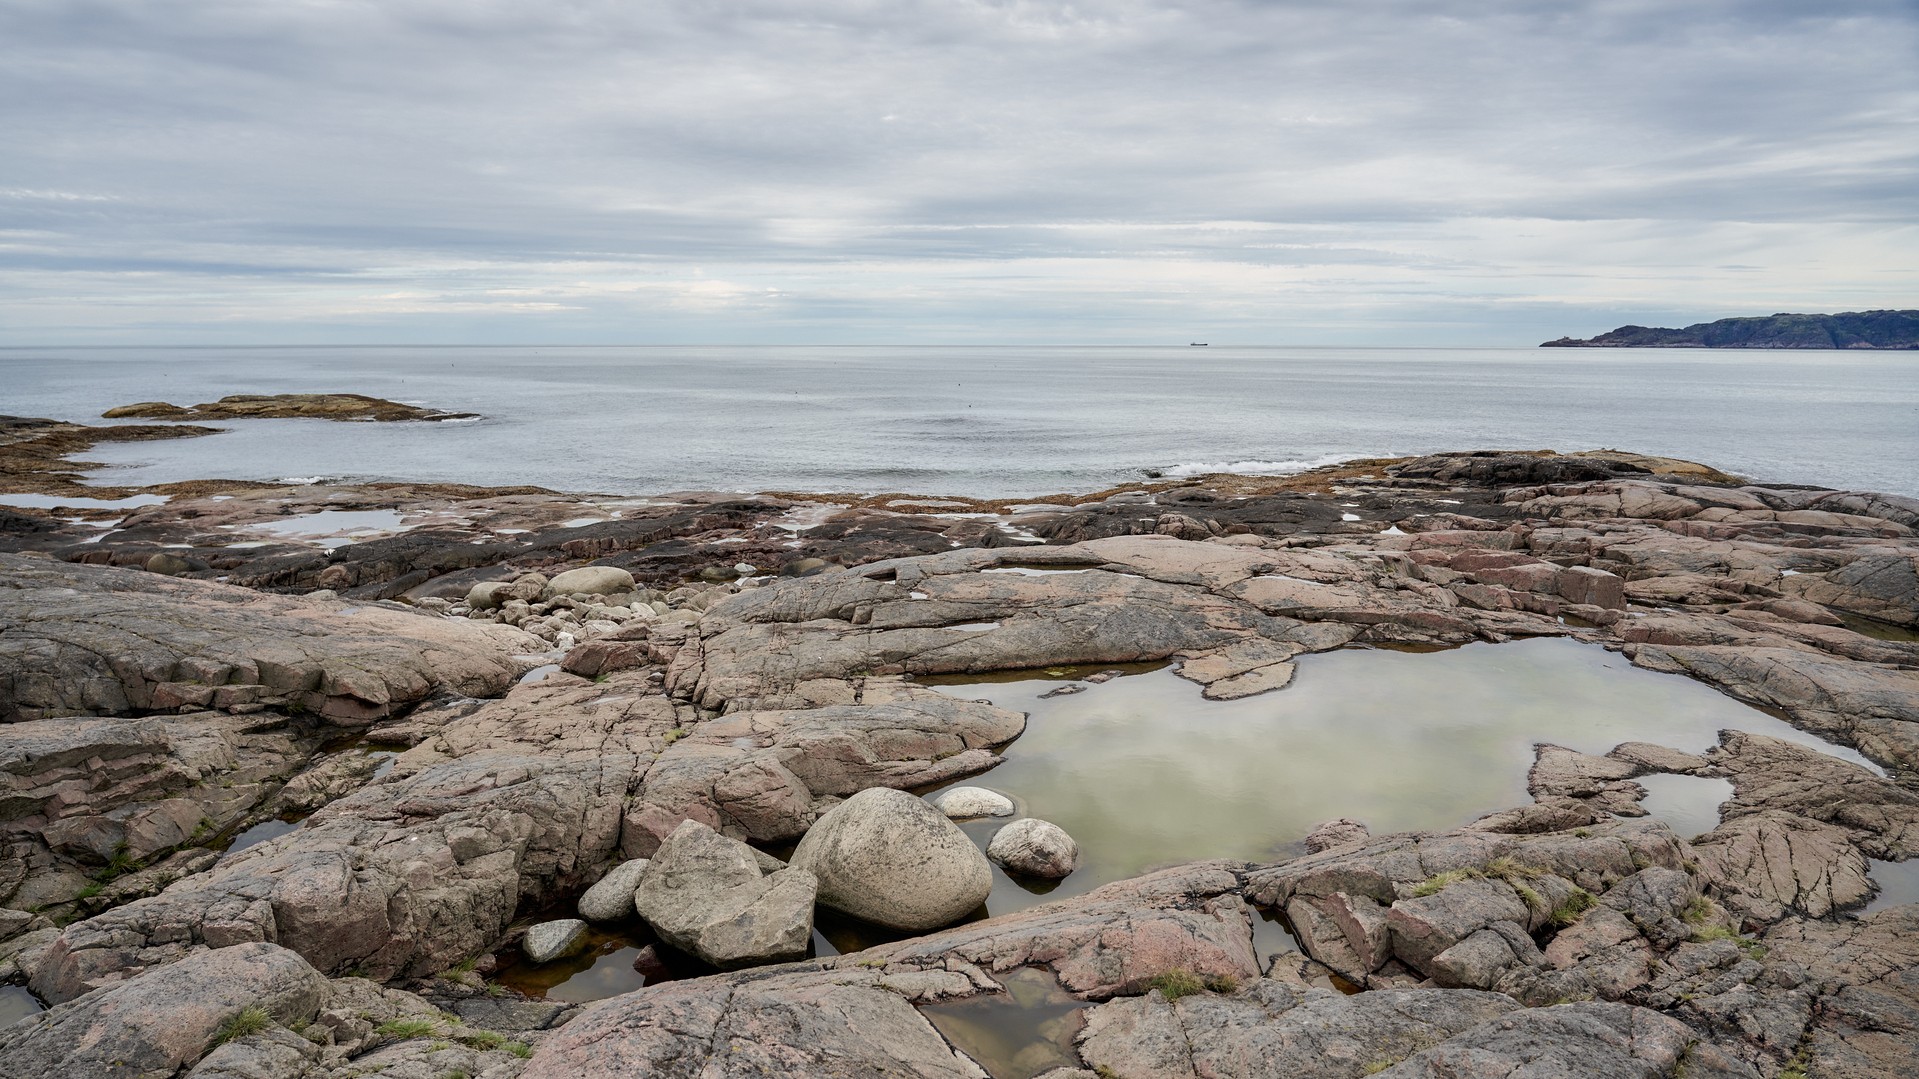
(1034, 848)
(612, 898)
(890, 858)
(710, 896)
(157, 1023)
(961, 803)
(552, 940)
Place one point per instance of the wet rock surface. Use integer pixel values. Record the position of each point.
(745, 670)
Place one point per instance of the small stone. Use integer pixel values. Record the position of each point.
(558, 939)
(323, 593)
(612, 898)
(745, 569)
(960, 803)
(1034, 848)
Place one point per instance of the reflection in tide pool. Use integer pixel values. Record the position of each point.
(1689, 804)
(615, 960)
(1898, 884)
(16, 1004)
(1142, 771)
(1017, 1034)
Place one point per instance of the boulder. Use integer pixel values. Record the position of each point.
(890, 858)
(710, 897)
(552, 940)
(1034, 848)
(961, 803)
(612, 898)
(1332, 833)
(589, 581)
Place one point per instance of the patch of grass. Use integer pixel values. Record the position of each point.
(1583, 833)
(1700, 911)
(406, 1028)
(1435, 884)
(90, 890)
(495, 989)
(483, 1039)
(676, 734)
(1378, 1066)
(247, 1022)
(519, 1049)
(1175, 984)
(1573, 909)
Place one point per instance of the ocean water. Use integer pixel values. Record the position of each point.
(984, 421)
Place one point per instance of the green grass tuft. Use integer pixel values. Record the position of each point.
(248, 1022)
(1175, 984)
(1573, 909)
(407, 1028)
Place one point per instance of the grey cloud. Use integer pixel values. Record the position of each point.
(867, 161)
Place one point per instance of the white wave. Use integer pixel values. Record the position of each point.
(1260, 468)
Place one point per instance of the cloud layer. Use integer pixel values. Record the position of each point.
(1399, 171)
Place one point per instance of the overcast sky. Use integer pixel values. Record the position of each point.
(623, 171)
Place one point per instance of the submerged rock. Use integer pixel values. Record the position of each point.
(961, 803)
(888, 857)
(1034, 848)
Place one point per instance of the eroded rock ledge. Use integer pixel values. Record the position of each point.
(151, 714)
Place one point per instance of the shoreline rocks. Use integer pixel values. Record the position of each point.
(153, 716)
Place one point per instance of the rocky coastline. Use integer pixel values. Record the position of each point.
(290, 773)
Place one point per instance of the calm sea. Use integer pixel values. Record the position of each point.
(984, 421)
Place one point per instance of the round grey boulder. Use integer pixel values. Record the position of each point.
(890, 858)
(960, 803)
(548, 941)
(489, 595)
(1034, 848)
(612, 898)
(589, 581)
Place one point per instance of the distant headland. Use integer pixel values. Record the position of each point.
(1852, 329)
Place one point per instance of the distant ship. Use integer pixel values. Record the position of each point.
(1195, 344)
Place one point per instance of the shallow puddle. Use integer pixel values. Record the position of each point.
(49, 502)
(1142, 771)
(1689, 804)
(605, 967)
(1872, 627)
(344, 525)
(1017, 1034)
(260, 833)
(16, 1004)
(1898, 884)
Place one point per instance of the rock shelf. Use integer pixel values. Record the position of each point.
(180, 675)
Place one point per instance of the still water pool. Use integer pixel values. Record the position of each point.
(1142, 771)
